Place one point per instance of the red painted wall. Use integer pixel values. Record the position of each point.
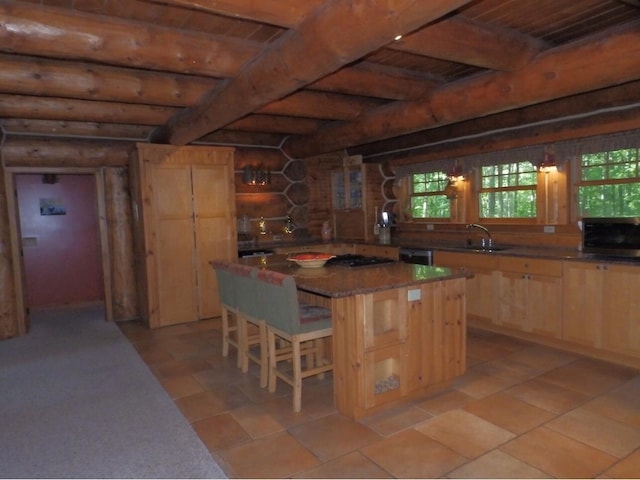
(61, 252)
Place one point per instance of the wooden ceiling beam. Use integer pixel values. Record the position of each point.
(49, 108)
(57, 78)
(276, 124)
(322, 44)
(377, 81)
(282, 13)
(471, 43)
(328, 106)
(74, 129)
(54, 32)
(601, 61)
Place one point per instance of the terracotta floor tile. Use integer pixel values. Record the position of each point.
(480, 386)
(546, 395)
(351, 465)
(589, 377)
(276, 456)
(333, 436)
(558, 455)
(411, 454)
(509, 412)
(617, 405)
(154, 354)
(443, 402)
(485, 350)
(221, 432)
(465, 433)
(394, 420)
(179, 368)
(257, 420)
(542, 358)
(184, 386)
(628, 467)
(600, 432)
(497, 464)
(201, 405)
(508, 370)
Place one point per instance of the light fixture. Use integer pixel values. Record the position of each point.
(256, 175)
(455, 174)
(548, 163)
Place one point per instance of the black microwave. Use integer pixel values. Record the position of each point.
(611, 236)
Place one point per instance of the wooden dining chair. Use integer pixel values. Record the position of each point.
(252, 326)
(302, 327)
(229, 307)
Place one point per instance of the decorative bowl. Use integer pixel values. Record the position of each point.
(310, 259)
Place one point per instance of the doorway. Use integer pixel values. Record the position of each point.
(58, 217)
(57, 196)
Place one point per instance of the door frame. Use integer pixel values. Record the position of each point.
(16, 242)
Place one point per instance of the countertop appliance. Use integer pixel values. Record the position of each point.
(611, 236)
(353, 260)
(421, 256)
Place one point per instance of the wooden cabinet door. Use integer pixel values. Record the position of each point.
(583, 285)
(544, 305)
(621, 317)
(512, 300)
(172, 246)
(215, 228)
(481, 288)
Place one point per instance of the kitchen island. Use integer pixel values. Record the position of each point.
(398, 328)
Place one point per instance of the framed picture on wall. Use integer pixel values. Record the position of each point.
(52, 206)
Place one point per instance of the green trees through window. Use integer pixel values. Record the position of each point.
(427, 198)
(609, 184)
(508, 191)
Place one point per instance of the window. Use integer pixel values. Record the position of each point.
(428, 199)
(609, 184)
(508, 191)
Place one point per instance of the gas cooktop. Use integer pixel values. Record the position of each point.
(352, 260)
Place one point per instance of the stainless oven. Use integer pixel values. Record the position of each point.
(611, 236)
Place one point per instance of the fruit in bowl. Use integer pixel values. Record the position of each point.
(310, 259)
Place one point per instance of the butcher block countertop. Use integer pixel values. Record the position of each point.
(343, 281)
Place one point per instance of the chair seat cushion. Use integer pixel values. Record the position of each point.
(314, 317)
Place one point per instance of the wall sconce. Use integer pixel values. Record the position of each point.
(256, 175)
(455, 174)
(548, 163)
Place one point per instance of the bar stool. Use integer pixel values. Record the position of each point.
(229, 315)
(250, 318)
(302, 326)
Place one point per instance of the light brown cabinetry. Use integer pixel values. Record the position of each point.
(530, 295)
(602, 305)
(480, 289)
(392, 344)
(355, 194)
(184, 214)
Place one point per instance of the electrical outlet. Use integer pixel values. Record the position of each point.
(549, 229)
(429, 226)
(414, 295)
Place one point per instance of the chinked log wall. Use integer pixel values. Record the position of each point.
(288, 194)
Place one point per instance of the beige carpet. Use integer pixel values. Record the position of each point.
(76, 401)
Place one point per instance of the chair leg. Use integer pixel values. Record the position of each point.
(271, 349)
(243, 344)
(225, 332)
(297, 375)
(264, 355)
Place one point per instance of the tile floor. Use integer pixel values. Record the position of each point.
(520, 411)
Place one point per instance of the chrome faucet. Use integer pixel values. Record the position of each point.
(485, 244)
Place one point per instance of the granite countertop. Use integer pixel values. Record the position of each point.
(342, 281)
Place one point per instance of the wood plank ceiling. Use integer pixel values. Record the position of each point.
(311, 76)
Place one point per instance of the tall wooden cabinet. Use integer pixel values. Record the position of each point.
(184, 216)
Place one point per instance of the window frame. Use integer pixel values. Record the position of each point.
(413, 194)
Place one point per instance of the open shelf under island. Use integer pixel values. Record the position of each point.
(398, 328)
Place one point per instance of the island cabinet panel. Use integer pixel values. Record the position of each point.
(530, 295)
(184, 217)
(481, 288)
(396, 344)
(377, 251)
